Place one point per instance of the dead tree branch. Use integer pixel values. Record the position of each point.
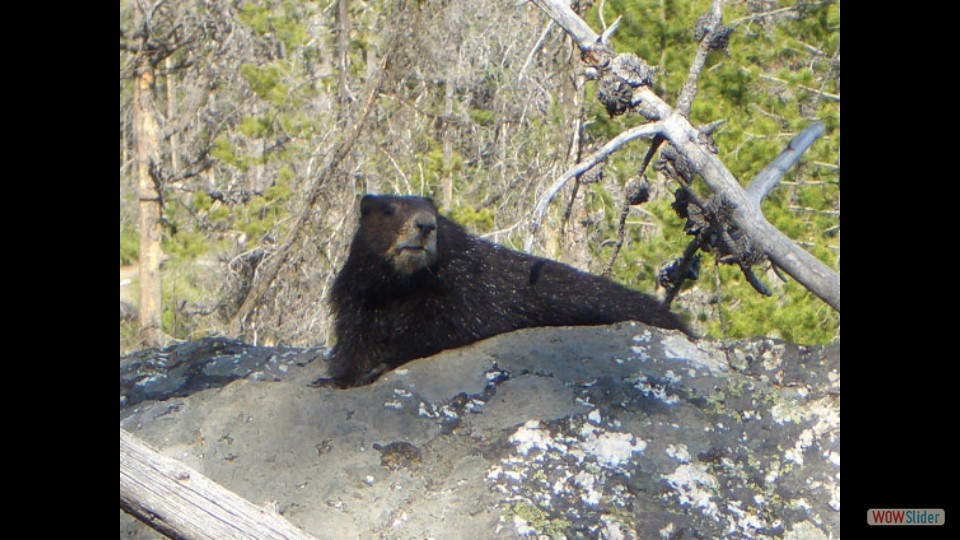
(646, 130)
(770, 176)
(534, 50)
(745, 212)
(711, 35)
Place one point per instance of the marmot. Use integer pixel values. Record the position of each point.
(416, 283)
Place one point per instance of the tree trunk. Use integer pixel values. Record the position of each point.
(343, 60)
(147, 156)
(170, 79)
(447, 181)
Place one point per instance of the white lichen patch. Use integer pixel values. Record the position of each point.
(643, 337)
(612, 529)
(695, 487)
(805, 531)
(146, 381)
(474, 406)
(678, 347)
(560, 486)
(531, 436)
(401, 393)
(570, 465)
(772, 475)
(795, 454)
(672, 377)
(679, 452)
(772, 358)
(655, 390)
(667, 532)
(743, 521)
(834, 502)
(396, 405)
(826, 415)
(585, 481)
(514, 475)
(449, 412)
(587, 430)
(641, 353)
(522, 527)
(427, 410)
(612, 449)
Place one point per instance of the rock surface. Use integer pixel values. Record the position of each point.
(184, 369)
(619, 431)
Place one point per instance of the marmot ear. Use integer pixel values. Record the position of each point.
(367, 204)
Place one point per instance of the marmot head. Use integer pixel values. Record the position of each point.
(403, 230)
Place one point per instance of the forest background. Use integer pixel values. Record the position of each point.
(264, 122)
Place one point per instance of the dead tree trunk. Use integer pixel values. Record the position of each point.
(182, 503)
(147, 156)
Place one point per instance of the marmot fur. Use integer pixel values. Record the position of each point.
(415, 283)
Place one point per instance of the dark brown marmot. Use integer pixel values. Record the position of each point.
(415, 283)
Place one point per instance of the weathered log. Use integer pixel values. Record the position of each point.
(182, 503)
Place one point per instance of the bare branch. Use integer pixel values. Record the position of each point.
(646, 130)
(798, 5)
(637, 192)
(754, 280)
(750, 18)
(608, 33)
(533, 51)
(686, 262)
(579, 30)
(770, 176)
(825, 95)
(711, 23)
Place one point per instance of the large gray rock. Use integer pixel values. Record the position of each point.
(621, 431)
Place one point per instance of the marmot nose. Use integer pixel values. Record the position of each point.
(426, 225)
